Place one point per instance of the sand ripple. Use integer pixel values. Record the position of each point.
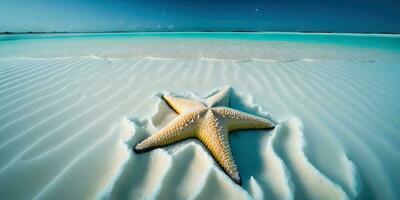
(67, 126)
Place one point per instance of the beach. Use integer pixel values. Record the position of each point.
(72, 106)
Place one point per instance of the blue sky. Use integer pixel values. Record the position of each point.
(181, 15)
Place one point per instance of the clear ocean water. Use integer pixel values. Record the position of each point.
(280, 46)
(387, 41)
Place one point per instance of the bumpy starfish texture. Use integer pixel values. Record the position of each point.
(210, 122)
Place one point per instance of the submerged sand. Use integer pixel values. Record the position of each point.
(68, 124)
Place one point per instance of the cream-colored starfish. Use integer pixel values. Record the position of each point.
(209, 122)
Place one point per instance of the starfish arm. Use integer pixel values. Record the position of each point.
(181, 128)
(237, 120)
(220, 99)
(215, 136)
(180, 104)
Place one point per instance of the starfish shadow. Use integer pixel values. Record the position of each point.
(247, 145)
(246, 149)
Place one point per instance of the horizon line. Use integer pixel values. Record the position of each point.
(187, 31)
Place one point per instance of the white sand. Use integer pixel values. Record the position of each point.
(67, 124)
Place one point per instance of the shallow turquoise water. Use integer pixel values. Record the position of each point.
(380, 41)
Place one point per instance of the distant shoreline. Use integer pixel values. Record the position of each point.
(202, 31)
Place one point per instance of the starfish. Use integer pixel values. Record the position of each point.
(209, 122)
